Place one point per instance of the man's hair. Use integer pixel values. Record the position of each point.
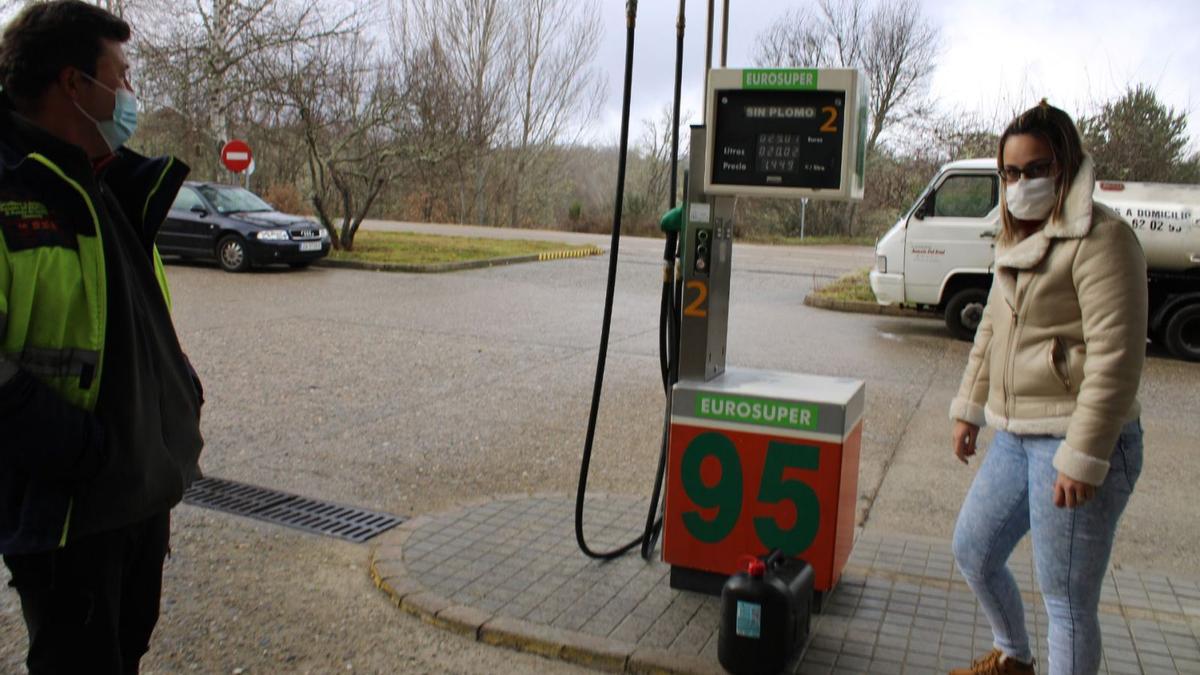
(47, 37)
(1057, 129)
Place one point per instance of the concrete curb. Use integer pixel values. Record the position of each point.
(858, 307)
(389, 575)
(437, 268)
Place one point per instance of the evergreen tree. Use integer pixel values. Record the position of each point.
(1136, 137)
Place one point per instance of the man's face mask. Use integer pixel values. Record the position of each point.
(116, 131)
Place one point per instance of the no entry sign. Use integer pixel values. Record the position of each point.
(236, 156)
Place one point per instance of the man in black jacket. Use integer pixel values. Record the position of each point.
(99, 408)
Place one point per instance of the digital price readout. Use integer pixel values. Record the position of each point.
(789, 139)
(786, 133)
(779, 153)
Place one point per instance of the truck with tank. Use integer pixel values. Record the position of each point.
(939, 255)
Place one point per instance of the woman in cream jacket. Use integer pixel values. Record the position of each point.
(1055, 370)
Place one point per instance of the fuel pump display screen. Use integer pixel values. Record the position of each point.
(778, 139)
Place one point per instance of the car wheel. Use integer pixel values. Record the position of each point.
(965, 311)
(232, 254)
(299, 265)
(1182, 334)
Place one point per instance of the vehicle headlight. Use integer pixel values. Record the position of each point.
(324, 233)
(273, 235)
(881, 264)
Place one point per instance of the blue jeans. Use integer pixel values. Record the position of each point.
(1013, 494)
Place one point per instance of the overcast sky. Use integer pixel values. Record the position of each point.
(995, 57)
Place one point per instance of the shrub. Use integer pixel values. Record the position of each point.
(286, 197)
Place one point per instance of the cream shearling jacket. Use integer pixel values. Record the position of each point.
(1060, 348)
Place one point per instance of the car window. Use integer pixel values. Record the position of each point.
(234, 199)
(965, 197)
(186, 199)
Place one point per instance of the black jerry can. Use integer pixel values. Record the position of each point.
(797, 577)
(757, 626)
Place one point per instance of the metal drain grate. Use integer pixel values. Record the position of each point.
(311, 515)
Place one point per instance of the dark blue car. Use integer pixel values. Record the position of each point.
(238, 229)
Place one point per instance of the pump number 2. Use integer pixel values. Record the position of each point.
(698, 307)
(725, 495)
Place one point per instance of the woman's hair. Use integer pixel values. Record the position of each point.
(1057, 129)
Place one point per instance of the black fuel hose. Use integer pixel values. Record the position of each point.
(631, 22)
(671, 252)
(668, 325)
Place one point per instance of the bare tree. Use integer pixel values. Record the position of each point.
(844, 25)
(655, 145)
(556, 90)
(948, 135)
(472, 41)
(899, 58)
(797, 38)
(435, 109)
(893, 43)
(198, 57)
(348, 110)
(117, 7)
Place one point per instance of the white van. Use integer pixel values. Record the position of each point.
(939, 255)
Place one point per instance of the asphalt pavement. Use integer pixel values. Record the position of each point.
(413, 394)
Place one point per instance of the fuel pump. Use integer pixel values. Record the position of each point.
(753, 461)
(760, 461)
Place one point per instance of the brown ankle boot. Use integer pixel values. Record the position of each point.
(995, 664)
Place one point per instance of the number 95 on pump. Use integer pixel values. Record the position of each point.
(763, 461)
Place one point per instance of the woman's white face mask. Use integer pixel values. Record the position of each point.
(1030, 198)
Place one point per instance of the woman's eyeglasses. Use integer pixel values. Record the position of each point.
(1038, 169)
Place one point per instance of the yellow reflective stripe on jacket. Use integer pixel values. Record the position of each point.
(159, 272)
(98, 301)
(99, 277)
(72, 182)
(62, 541)
(158, 184)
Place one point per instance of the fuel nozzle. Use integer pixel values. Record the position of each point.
(672, 221)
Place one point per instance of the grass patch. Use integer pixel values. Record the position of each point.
(855, 287)
(409, 248)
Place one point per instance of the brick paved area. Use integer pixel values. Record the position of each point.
(900, 608)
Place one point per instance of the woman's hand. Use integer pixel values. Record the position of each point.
(1070, 493)
(965, 435)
